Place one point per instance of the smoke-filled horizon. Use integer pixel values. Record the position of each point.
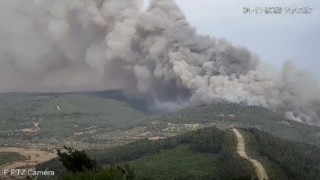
(154, 53)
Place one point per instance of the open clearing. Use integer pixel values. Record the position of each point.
(33, 157)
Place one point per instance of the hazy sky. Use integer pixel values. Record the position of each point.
(47, 45)
(275, 38)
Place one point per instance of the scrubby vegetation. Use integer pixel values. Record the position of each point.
(8, 157)
(109, 173)
(76, 161)
(80, 167)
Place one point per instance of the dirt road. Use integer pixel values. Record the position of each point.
(241, 150)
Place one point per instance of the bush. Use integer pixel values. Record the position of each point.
(112, 173)
(76, 161)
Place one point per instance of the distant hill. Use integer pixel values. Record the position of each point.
(63, 114)
(226, 115)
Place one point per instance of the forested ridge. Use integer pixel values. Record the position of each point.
(212, 148)
(298, 161)
(210, 153)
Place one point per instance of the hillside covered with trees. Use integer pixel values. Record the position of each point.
(211, 154)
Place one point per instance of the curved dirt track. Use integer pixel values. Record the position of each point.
(241, 150)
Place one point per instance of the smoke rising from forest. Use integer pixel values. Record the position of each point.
(154, 53)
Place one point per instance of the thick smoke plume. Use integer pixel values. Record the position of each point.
(50, 45)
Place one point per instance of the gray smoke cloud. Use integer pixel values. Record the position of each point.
(50, 45)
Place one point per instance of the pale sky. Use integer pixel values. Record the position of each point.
(275, 38)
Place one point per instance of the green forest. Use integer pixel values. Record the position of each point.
(209, 153)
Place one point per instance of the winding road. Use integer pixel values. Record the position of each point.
(241, 150)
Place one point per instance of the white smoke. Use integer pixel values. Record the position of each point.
(50, 45)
